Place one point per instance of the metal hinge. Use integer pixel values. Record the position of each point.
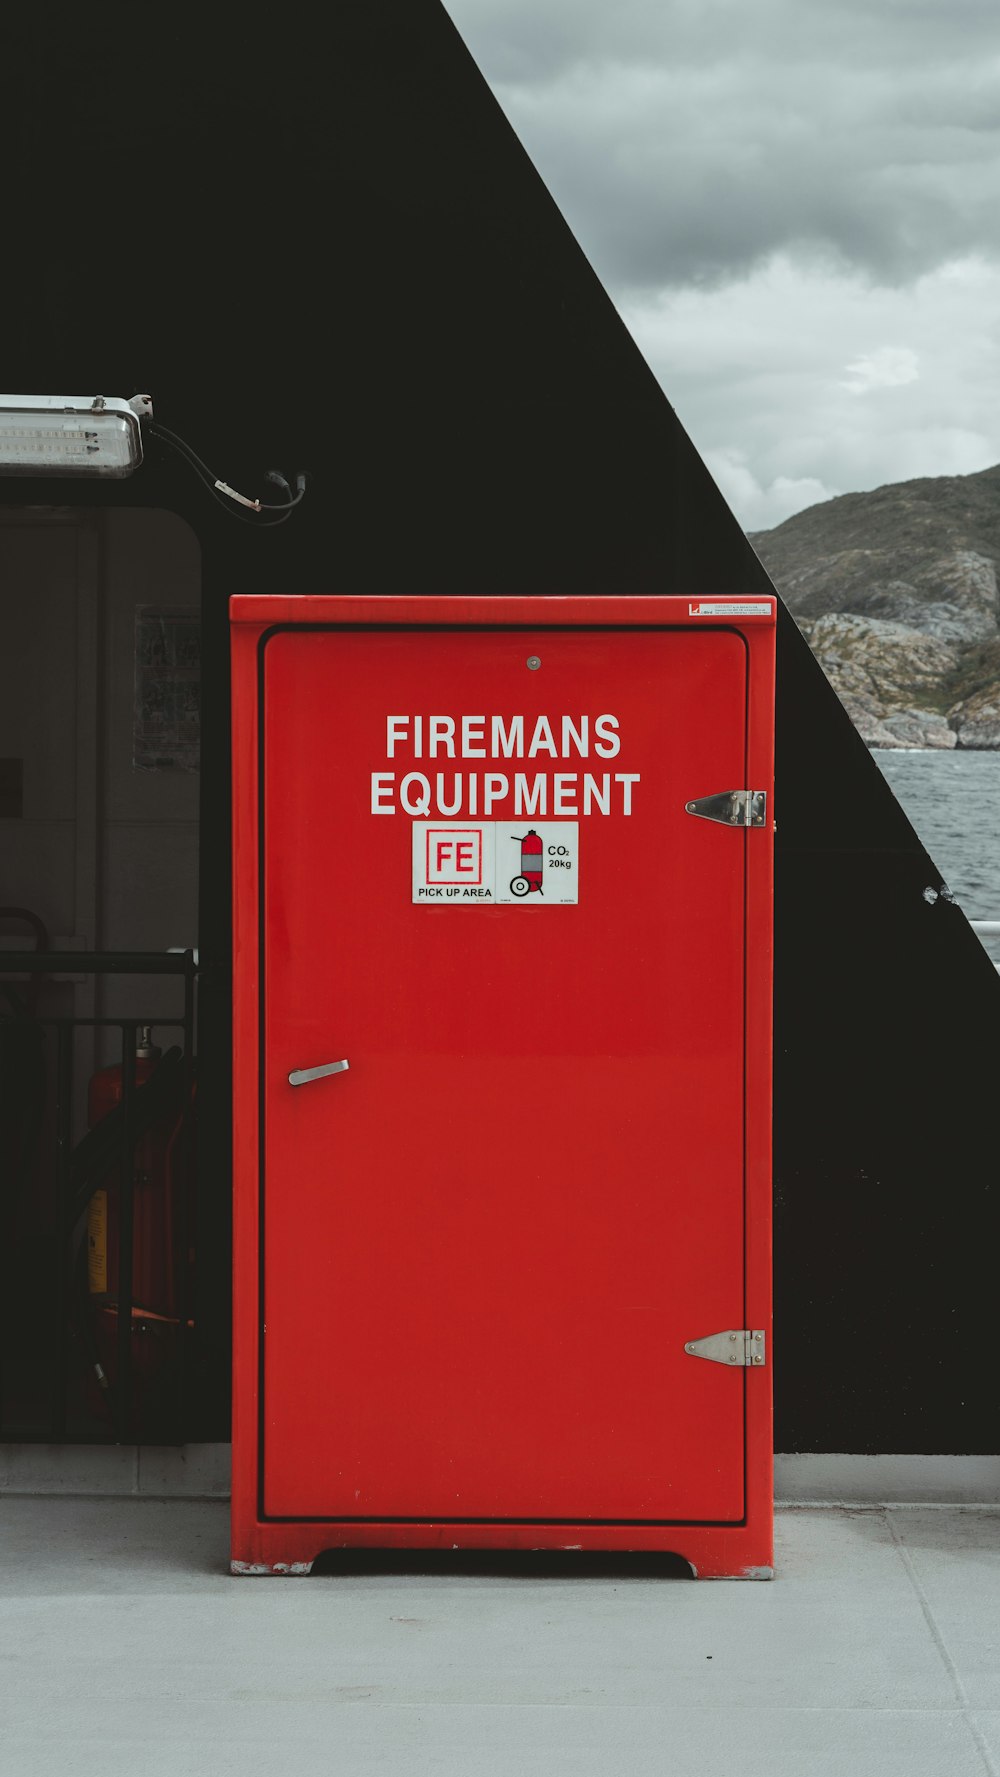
(734, 808)
(742, 1347)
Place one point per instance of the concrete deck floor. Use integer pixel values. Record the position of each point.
(125, 1647)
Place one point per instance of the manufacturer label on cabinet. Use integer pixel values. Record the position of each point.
(460, 864)
(730, 608)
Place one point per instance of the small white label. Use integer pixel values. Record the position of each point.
(482, 863)
(716, 608)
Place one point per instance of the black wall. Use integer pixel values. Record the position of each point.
(317, 243)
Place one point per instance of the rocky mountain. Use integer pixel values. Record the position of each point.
(896, 593)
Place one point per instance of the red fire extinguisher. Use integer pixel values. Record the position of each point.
(530, 880)
(161, 1193)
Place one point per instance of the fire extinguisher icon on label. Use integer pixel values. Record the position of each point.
(530, 880)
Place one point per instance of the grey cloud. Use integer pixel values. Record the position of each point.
(794, 203)
(794, 383)
(687, 144)
(536, 41)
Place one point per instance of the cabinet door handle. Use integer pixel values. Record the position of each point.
(303, 1075)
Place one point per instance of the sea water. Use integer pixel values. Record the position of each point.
(953, 801)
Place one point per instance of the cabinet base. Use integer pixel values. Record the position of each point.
(712, 1551)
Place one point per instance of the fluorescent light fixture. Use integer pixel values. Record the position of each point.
(71, 435)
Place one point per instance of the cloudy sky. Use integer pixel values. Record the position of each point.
(795, 205)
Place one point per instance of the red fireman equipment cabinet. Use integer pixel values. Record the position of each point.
(503, 911)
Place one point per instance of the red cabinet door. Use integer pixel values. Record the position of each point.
(487, 1243)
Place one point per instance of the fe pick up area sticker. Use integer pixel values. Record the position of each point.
(481, 863)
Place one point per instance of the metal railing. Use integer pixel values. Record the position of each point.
(106, 1156)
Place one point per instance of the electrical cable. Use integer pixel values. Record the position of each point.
(214, 484)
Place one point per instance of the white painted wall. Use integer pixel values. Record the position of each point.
(149, 820)
(105, 853)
